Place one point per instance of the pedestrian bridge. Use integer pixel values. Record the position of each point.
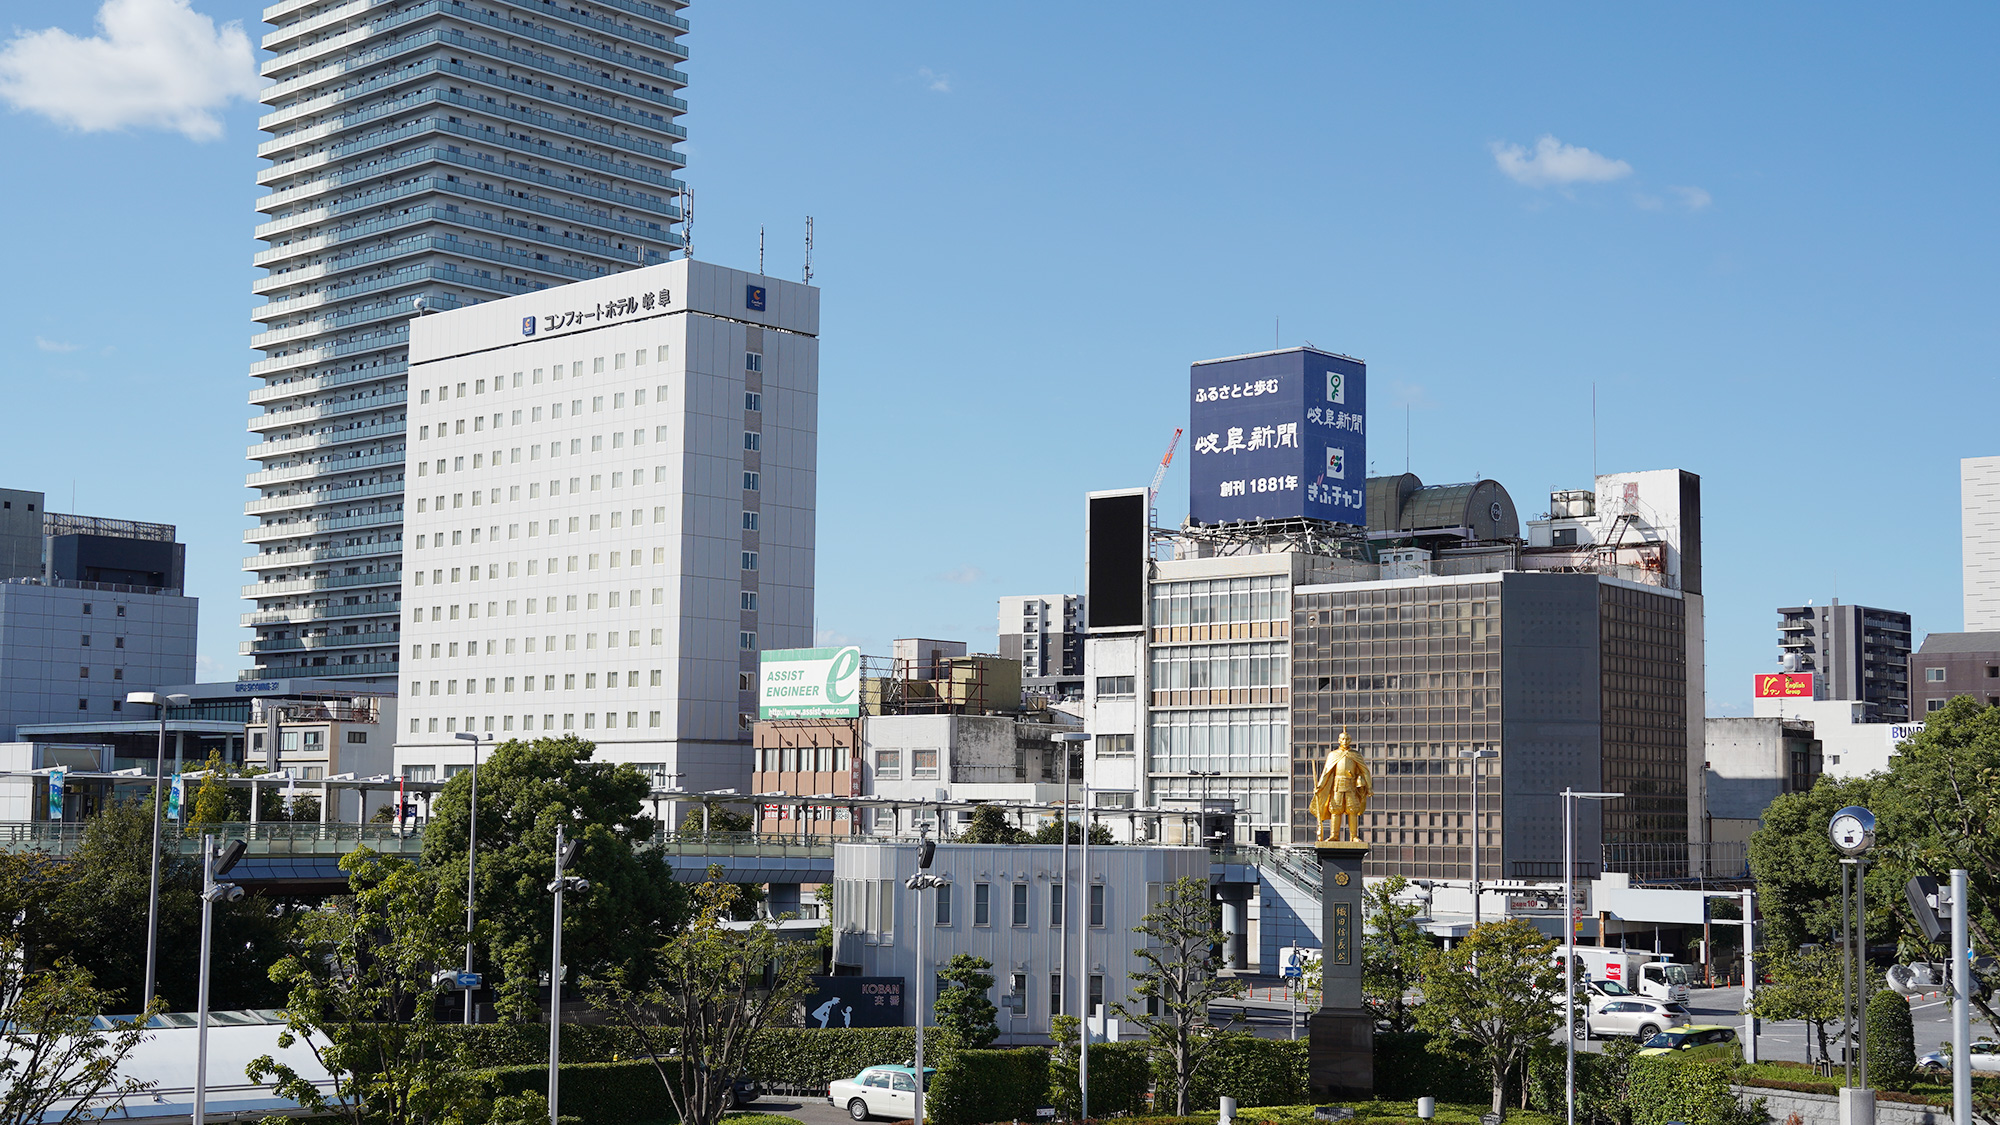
(288, 856)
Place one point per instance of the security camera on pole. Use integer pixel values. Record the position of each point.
(1852, 831)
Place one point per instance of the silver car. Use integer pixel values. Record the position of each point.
(1638, 1017)
(1984, 1053)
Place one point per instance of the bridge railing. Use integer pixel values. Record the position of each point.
(272, 838)
(748, 844)
(1296, 867)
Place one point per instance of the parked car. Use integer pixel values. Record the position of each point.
(1689, 1035)
(1636, 1016)
(1985, 1055)
(878, 1091)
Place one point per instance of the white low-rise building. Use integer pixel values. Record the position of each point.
(1006, 904)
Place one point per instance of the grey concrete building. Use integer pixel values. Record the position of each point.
(1750, 762)
(90, 608)
(1954, 664)
(1854, 652)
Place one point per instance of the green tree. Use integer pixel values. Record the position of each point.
(95, 916)
(1805, 985)
(1797, 870)
(51, 1051)
(525, 790)
(362, 993)
(1179, 982)
(989, 825)
(1496, 990)
(1392, 953)
(1052, 833)
(963, 1007)
(715, 988)
(721, 818)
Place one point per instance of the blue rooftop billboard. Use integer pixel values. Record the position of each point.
(1278, 436)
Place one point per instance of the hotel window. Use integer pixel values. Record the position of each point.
(749, 560)
(752, 400)
(982, 904)
(944, 905)
(750, 521)
(1055, 994)
(749, 604)
(746, 641)
(1055, 906)
(749, 482)
(752, 440)
(1020, 904)
(1097, 904)
(753, 361)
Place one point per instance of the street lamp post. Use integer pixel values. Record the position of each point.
(1064, 741)
(1569, 798)
(215, 863)
(920, 882)
(1083, 961)
(471, 858)
(1477, 757)
(565, 854)
(161, 703)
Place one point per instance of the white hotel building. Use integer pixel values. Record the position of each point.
(611, 510)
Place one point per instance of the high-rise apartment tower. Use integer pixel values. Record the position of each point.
(1857, 651)
(430, 155)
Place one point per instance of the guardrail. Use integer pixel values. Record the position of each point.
(276, 838)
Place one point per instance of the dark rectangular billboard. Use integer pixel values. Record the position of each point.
(1278, 436)
(1115, 579)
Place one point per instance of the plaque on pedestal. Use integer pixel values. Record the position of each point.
(1341, 1054)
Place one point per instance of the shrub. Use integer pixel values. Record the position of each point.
(1666, 1088)
(1405, 1069)
(790, 1056)
(1892, 1048)
(1253, 1071)
(621, 1093)
(976, 1086)
(1120, 1076)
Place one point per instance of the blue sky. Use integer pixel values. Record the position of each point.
(1774, 263)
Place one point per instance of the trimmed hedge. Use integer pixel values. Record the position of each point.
(791, 1056)
(1406, 1069)
(1120, 1076)
(1892, 1043)
(977, 1086)
(1664, 1088)
(607, 1093)
(1253, 1071)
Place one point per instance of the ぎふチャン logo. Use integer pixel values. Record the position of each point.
(1336, 463)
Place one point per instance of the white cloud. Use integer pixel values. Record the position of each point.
(963, 575)
(934, 81)
(155, 64)
(1555, 164)
(1693, 198)
(48, 345)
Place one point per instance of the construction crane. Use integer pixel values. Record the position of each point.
(1160, 475)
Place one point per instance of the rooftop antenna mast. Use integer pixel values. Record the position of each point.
(809, 249)
(760, 251)
(687, 222)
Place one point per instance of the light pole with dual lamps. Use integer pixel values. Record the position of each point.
(161, 703)
(1569, 799)
(471, 857)
(566, 853)
(1477, 756)
(920, 882)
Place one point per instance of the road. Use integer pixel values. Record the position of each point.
(1786, 1040)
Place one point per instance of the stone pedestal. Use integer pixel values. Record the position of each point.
(1341, 1053)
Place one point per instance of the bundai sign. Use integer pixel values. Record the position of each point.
(809, 683)
(1278, 436)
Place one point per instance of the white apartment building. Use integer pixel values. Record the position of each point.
(437, 152)
(612, 511)
(1979, 518)
(1045, 633)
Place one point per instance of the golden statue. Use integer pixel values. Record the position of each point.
(1342, 792)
